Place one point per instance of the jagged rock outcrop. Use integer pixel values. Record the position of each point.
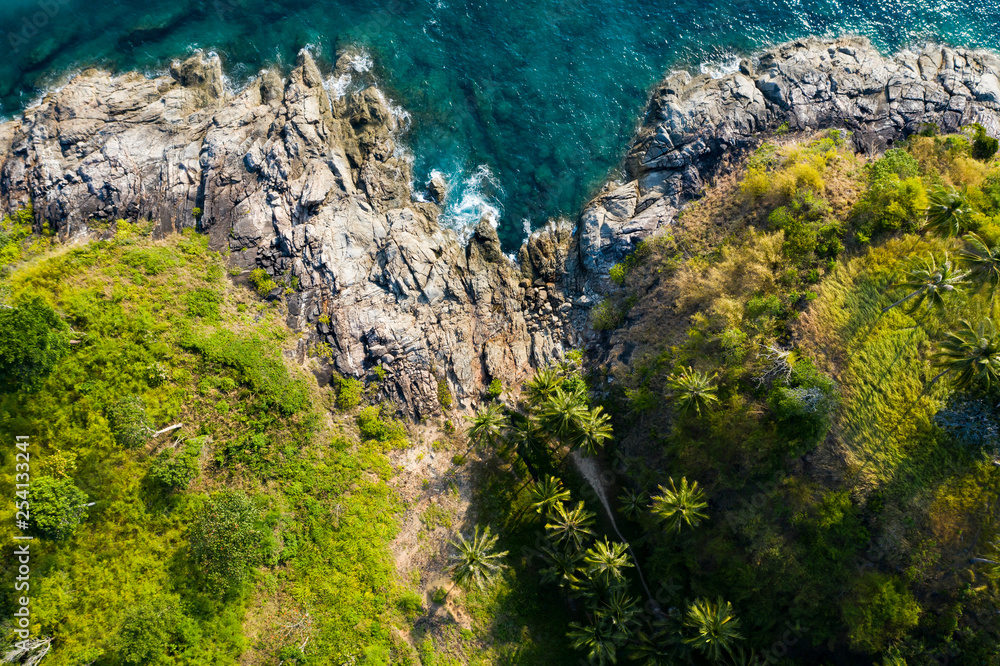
(313, 185)
(307, 185)
(694, 122)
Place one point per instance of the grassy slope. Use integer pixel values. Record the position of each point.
(160, 320)
(811, 532)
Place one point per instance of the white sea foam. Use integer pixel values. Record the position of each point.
(476, 198)
(720, 68)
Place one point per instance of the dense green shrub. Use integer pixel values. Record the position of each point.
(225, 539)
(890, 204)
(153, 631)
(373, 426)
(57, 507)
(203, 303)
(803, 407)
(256, 366)
(606, 316)
(879, 610)
(32, 340)
(495, 389)
(349, 392)
(177, 470)
(262, 282)
(810, 231)
(129, 423)
(444, 394)
(984, 146)
(249, 449)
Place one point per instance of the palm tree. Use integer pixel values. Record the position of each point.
(570, 527)
(715, 627)
(972, 354)
(682, 505)
(488, 426)
(692, 390)
(659, 649)
(547, 493)
(476, 560)
(562, 567)
(948, 212)
(594, 430)
(633, 503)
(929, 282)
(562, 413)
(983, 263)
(620, 609)
(605, 562)
(599, 640)
(545, 382)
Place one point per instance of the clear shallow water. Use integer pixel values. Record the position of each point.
(526, 105)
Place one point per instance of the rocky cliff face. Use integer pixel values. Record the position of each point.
(312, 185)
(694, 123)
(307, 185)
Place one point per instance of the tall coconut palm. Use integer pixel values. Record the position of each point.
(620, 609)
(970, 354)
(692, 391)
(983, 263)
(545, 382)
(476, 560)
(594, 430)
(632, 503)
(546, 494)
(599, 641)
(930, 281)
(715, 628)
(606, 562)
(488, 427)
(680, 505)
(570, 527)
(562, 413)
(659, 648)
(563, 566)
(948, 212)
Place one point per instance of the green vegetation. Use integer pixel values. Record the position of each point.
(256, 492)
(824, 461)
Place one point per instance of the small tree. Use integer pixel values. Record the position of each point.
(57, 507)
(593, 431)
(129, 423)
(225, 539)
(599, 640)
(152, 631)
(562, 414)
(476, 561)
(488, 426)
(545, 382)
(32, 340)
(176, 471)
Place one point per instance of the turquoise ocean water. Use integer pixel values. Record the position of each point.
(526, 105)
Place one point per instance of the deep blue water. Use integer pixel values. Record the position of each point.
(527, 105)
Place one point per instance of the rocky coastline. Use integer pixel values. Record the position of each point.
(308, 185)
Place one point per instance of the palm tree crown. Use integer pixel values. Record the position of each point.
(693, 391)
(547, 493)
(605, 562)
(715, 627)
(562, 413)
(632, 503)
(476, 560)
(679, 506)
(948, 211)
(930, 281)
(971, 353)
(570, 526)
(488, 426)
(599, 640)
(545, 382)
(594, 430)
(982, 260)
